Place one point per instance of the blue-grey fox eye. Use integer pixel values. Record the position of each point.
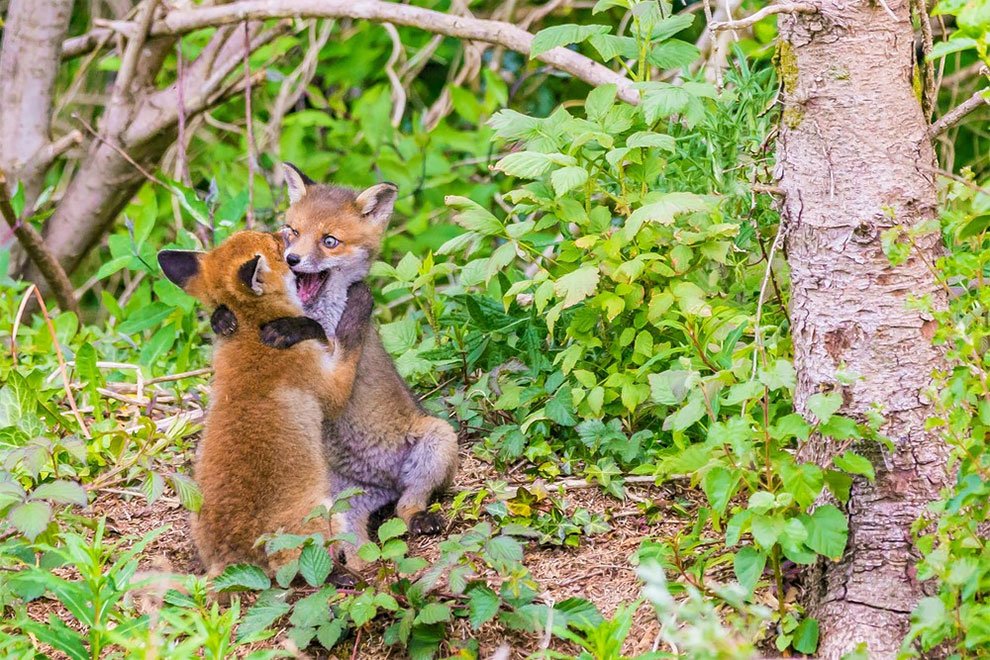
(330, 242)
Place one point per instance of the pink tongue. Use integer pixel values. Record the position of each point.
(308, 283)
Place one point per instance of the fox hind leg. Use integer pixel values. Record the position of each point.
(429, 467)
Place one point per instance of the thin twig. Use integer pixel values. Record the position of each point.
(749, 21)
(180, 94)
(34, 246)
(123, 154)
(954, 116)
(767, 274)
(61, 363)
(252, 164)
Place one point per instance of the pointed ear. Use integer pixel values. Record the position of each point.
(180, 266)
(251, 273)
(295, 181)
(376, 203)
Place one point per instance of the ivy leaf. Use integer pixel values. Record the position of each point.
(563, 35)
(748, 565)
(828, 531)
(577, 285)
(241, 577)
(31, 518)
(315, 564)
(483, 604)
(61, 492)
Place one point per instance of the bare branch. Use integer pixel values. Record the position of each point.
(954, 116)
(504, 34)
(753, 19)
(929, 96)
(35, 248)
(129, 61)
(29, 63)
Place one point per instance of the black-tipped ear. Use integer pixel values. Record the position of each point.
(295, 181)
(250, 273)
(180, 266)
(376, 203)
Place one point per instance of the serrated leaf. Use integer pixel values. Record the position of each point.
(563, 35)
(329, 633)
(748, 564)
(30, 518)
(525, 164)
(472, 216)
(824, 405)
(651, 140)
(483, 604)
(568, 178)
(433, 613)
(673, 54)
(241, 577)
(828, 531)
(315, 564)
(188, 492)
(261, 616)
(391, 529)
(62, 492)
(577, 285)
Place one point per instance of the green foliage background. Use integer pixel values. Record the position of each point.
(586, 288)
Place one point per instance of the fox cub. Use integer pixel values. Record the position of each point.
(260, 464)
(383, 442)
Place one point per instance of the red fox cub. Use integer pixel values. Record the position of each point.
(260, 464)
(383, 443)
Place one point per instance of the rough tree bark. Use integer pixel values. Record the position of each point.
(855, 158)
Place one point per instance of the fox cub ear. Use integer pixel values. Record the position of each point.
(296, 182)
(180, 266)
(376, 203)
(251, 273)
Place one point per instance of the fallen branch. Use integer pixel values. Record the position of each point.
(954, 116)
(34, 246)
(753, 19)
(499, 33)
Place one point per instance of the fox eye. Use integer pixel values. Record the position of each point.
(330, 241)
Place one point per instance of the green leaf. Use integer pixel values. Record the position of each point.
(720, 485)
(767, 530)
(31, 518)
(57, 635)
(853, 463)
(568, 178)
(748, 564)
(690, 413)
(653, 140)
(503, 551)
(671, 387)
(61, 492)
(563, 35)
(599, 101)
(315, 564)
(329, 633)
(803, 482)
(664, 102)
(668, 27)
(780, 376)
(472, 216)
(691, 299)
(241, 577)
(824, 405)
(391, 529)
(266, 610)
(577, 285)
(433, 613)
(662, 209)
(363, 608)
(828, 531)
(673, 54)
(313, 610)
(525, 164)
(483, 604)
(188, 492)
(806, 637)
(610, 46)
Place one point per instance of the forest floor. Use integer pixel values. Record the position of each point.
(599, 569)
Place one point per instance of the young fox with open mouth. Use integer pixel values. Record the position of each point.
(260, 464)
(383, 442)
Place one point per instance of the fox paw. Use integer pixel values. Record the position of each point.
(354, 320)
(288, 331)
(223, 321)
(425, 523)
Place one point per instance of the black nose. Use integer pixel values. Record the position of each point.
(292, 259)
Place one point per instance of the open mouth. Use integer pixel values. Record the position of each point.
(308, 285)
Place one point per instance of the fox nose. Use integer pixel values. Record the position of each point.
(292, 259)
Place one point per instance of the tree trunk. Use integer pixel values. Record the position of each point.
(855, 159)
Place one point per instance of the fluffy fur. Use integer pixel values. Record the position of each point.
(261, 465)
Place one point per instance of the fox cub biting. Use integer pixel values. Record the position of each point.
(260, 464)
(383, 443)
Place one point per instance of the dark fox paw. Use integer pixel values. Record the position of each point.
(425, 523)
(288, 331)
(354, 321)
(223, 321)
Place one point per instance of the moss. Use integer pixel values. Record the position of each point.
(787, 69)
